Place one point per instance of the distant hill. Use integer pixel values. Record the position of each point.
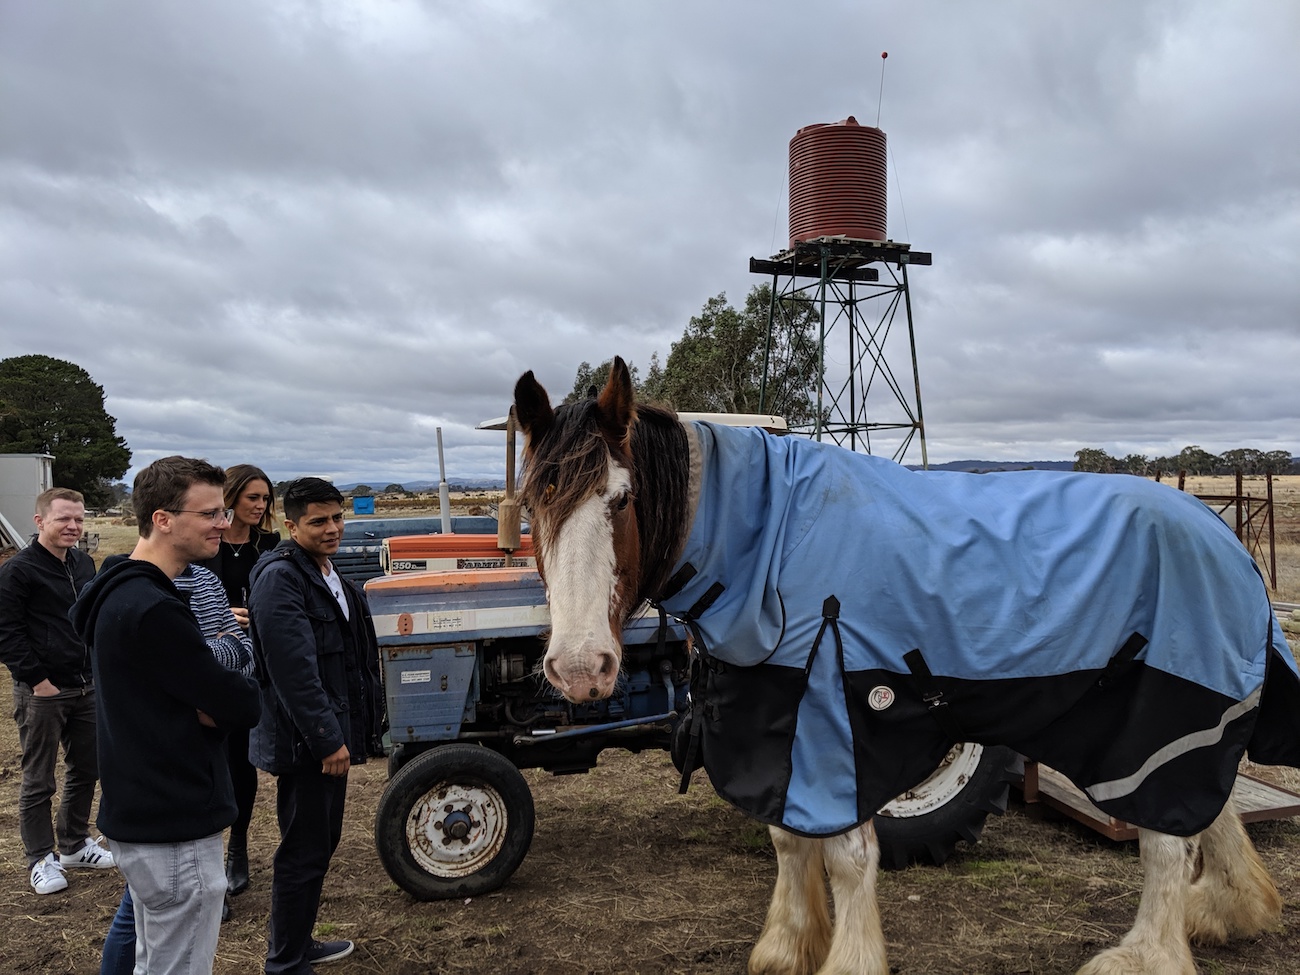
(988, 466)
(472, 482)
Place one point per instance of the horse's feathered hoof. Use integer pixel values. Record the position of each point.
(1142, 960)
(781, 952)
(1237, 899)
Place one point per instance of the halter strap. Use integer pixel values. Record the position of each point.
(695, 711)
(932, 695)
(699, 661)
(676, 582)
(1123, 657)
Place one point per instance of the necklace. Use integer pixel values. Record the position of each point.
(236, 549)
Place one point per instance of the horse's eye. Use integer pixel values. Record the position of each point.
(622, 502)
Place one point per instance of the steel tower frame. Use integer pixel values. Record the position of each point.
(840, 276)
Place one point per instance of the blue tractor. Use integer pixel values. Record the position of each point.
(467, 709)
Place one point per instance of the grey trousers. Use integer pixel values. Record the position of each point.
(45, 723)
(177, 890)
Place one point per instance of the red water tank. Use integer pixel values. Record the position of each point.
(838, 182)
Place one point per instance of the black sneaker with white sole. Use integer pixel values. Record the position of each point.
(320, 952)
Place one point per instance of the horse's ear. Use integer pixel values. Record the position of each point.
(617, 402)
(532, 407)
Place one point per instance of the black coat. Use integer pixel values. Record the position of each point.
(319, 673)
(37, 640)
(163, 775)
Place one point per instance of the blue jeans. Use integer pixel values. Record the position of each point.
(176, 891)
(119, 943)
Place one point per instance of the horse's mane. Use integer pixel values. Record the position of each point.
(662, 472)
(573, 464)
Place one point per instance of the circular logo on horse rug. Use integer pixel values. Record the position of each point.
(880, 697)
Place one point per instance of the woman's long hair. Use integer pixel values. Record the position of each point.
(238, 477)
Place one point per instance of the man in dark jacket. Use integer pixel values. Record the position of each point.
(318, 664)
(54, 693)
(165, 704)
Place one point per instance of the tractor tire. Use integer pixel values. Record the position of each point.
(454, 821)
(925, 824)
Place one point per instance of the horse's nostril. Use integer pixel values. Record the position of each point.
(594, 692)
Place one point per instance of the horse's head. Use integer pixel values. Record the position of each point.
(578, 482)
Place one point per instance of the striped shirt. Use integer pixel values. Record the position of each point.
(227, 639)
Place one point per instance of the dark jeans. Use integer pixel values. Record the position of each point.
(119, 944)
(243, 776)
(309, 807)
(45, 723)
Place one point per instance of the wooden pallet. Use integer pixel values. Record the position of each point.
(1256, 801)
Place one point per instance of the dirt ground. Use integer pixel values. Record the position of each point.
(626, 877)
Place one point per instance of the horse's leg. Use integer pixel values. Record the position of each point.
(1233, 896)
(858, 945)
(1157, 944)
(798, 927)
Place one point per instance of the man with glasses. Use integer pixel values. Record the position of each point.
(318, 663)
(54, 694)
(165, 704)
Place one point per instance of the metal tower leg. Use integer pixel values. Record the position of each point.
(860, 402)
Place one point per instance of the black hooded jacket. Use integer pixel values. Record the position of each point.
(163, 775)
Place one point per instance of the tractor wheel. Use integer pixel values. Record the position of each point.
(455, 821)
(924, 824)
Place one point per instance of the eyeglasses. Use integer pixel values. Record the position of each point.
(214, 515)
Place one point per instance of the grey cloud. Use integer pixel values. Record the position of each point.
(308, 233)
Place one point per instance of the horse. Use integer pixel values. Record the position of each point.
(851, 619)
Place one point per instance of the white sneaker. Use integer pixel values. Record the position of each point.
(91, 855)
(47, 875)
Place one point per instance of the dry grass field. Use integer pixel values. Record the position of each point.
(626, 877)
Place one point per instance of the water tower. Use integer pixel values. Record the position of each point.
(838, 249)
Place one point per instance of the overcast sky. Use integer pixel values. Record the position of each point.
(306, 234)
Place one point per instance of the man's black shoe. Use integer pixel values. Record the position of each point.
(320, 952)
(237, 872)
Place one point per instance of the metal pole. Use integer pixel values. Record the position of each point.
(821, 348)
(444, 492)
(1237, 506)
(767, 349)
(508, 512)
(1272, 550)
(916, 371)
(853, 372)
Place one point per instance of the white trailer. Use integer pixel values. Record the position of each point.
(22, 479)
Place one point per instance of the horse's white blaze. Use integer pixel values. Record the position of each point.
(582, 659)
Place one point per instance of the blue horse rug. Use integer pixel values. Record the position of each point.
(854, 619)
